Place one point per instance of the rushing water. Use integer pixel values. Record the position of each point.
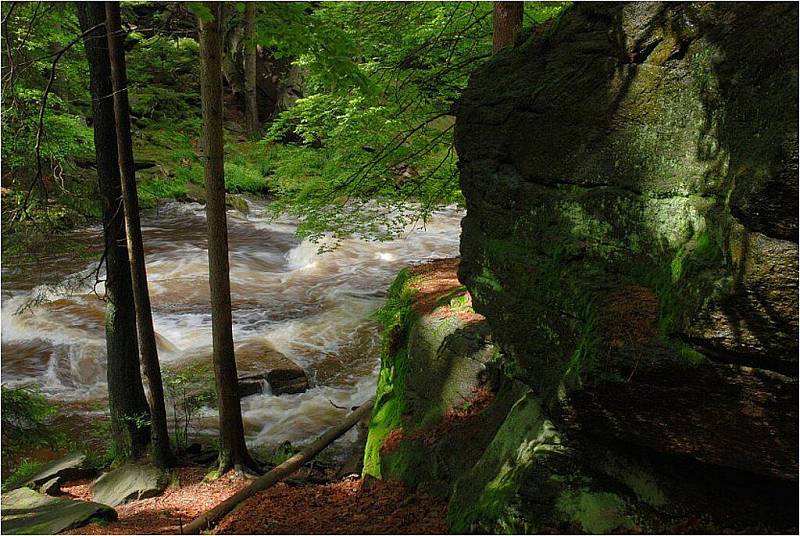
(315, 309)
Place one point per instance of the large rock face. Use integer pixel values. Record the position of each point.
(631, 235)
(631, 240)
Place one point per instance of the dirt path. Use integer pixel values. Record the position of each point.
(341, 507)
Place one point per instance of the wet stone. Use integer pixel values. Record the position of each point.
(282, 375)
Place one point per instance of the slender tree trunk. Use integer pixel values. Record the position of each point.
(251, 103)
(233, 451)
(144, 317)
(126, 398)
(507, 24)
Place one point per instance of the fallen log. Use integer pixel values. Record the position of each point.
(207, 520)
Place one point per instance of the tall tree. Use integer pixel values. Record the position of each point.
(507, 24)
(233, 451)
(250, 101)
(126, 397)
(144, 317)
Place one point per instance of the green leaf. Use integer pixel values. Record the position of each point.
(200, 10)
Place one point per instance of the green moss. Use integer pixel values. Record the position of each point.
(585, 359)
(596, 513)
(488, 279)
(396, 316)
(640, 481)
(690, 355)
(482, 495)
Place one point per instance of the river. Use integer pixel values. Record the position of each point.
(315, 309)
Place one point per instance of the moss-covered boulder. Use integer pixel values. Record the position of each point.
(631, 184)
(437, 390)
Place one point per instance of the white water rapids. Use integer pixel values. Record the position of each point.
(315, 309)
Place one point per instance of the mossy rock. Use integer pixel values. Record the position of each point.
(237, 202)
(632, 213)
(436, 362)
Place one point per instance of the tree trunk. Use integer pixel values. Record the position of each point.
(507, 24)
(251, 103)
(144, 317)
(126, 398)
(233, 451)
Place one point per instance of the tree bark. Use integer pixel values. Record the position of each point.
(251, 103)
(507, 24)
(207, 520)
(233, 451)
(144, 317)
(126, 397)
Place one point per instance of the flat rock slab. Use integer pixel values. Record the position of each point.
(283, 375)
(71, 467)
(28, 512)
(129, 482)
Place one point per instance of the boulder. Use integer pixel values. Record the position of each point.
(283, 376)
(631, 228)
(252, 384)
(28, 512)
(237, 202)
(130, 482)
(436, 391)
(71, 467)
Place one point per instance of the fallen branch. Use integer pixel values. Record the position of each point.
(210, 518)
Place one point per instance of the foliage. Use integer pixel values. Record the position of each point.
(24, 471)
(366, 151)
(187, 391)
(26, 415)
(379, 152)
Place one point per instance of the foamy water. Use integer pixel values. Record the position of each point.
(315, 309)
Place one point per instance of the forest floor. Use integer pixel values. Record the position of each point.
(349, 506)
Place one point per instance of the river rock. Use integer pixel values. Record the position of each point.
(28, 512)
(237, 202)
(129, 482)
(71, 467)
(283, 375)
